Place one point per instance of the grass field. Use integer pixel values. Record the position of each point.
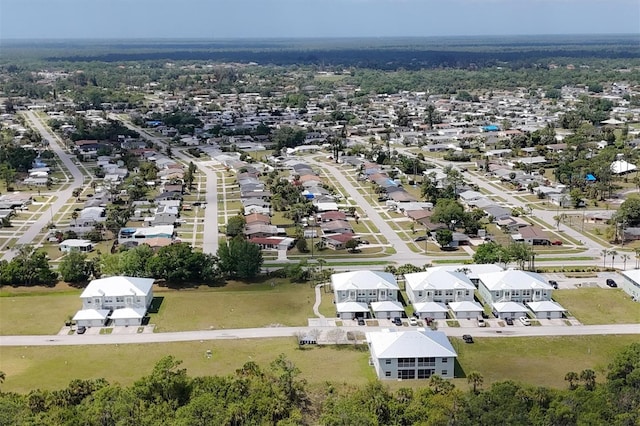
(36, 313)
(53, 367)
(237, 305)
(540, 361)
(599, 305)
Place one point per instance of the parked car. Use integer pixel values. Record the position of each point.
(556, 243)
(481, 322)
(397, 321)
(611, 283)
(81, 330)
(509, 320)
(413, 321)
(484, 315)
(524, 321)
(360, 321)
(420, 238)
(553, 284)
(467, 338)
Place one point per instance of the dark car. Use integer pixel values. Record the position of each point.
(509, 321)
(397, 321)
(553, 284)
(467, 338)
(611, 283)
(360, 321)
(420, 238)
(484, 315)
(81, 330)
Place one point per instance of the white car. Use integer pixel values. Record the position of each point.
(524, 321)
(413, 321)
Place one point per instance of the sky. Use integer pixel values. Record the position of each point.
(223, 19)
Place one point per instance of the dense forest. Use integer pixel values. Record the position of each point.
(276, 395)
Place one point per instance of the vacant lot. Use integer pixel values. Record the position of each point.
(23, 312)
(237, 305)
(53, 367)
(599, 305)
(540, 361)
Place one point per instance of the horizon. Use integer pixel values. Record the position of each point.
(292, 19)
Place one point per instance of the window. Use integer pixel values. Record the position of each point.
(387, 374)
(419, 294)
(119, 299)
(426, 362)
(387, 361)
(445, 360)
(406, 362)
(444, 372)
(425, 373)
(406, 374)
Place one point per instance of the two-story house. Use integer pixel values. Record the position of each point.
(124, 300)
(415, 354)
(355, 291)
(431, 291)
(509, 290)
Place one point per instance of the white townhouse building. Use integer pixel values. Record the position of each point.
(508, 291)
(414, 354)
(125, 300)
(355, 291)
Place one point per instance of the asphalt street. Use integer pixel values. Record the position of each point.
(269, 332)
(62, 196)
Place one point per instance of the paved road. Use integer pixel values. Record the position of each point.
(62, 196)
(210, 235)
(403, 253)
(257, 333)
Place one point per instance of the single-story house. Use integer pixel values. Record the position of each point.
(414, 354)
(533, 235)
(128, 316)
(69, 245)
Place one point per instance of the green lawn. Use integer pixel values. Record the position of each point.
(541, 361)
(37, 314)
(599, 305)
(236, 305)
(29, 368)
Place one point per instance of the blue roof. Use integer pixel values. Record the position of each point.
(491, 128)
(591, 178)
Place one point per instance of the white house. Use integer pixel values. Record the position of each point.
(140, 234)
(509, 310)
(164, 215)
(430, 310)
(126, 298)
(415, 354)
(514, 286)
(354, 291)
(72, 244)
(439, 285)
(91, 317)
(631, 285)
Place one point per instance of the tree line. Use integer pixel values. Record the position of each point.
(277, 395)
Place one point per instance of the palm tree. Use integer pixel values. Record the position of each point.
(604, 254)
(613, 255)
(475, 379)
(625, 257)
(571, 377)
(588, 376)
(74, 216)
